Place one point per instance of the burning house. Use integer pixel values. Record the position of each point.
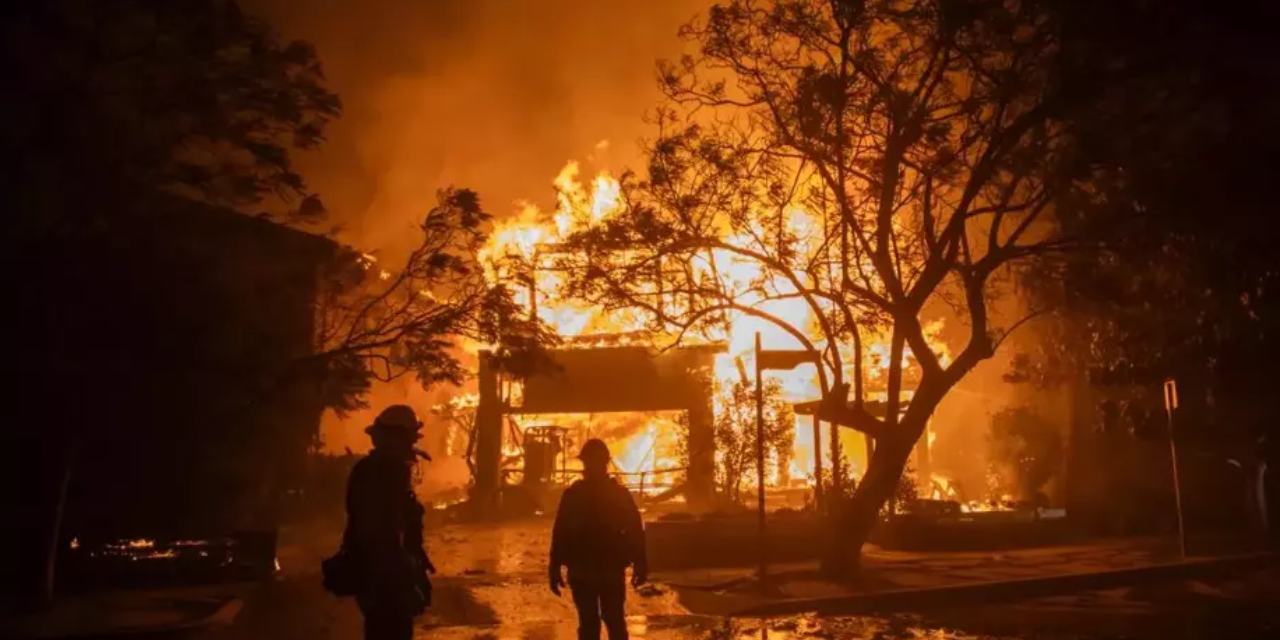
(615, 383)
(657, 401)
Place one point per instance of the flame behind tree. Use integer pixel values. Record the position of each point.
(869, 162)
(380, 325)
(735, 427)
(1029, 448)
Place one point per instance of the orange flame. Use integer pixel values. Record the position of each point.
(520, 246)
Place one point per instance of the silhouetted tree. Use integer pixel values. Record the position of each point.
(376, 324)
(115, 112)
(123, 115)
(1185, 286)
(113, 101)
(735, 427)
(874, 161)
(1027, 448)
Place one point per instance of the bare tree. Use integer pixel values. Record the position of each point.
(374, 324)
(875, 162)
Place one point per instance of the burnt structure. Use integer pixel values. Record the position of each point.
(602, 380)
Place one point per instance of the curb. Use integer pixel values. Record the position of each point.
(978, 592)
(225, 615)
(715, 586)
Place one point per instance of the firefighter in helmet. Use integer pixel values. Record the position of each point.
(597, 534)
(384, 529)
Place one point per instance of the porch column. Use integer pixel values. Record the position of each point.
(488, 433)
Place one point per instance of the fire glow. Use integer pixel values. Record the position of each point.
(520, 253)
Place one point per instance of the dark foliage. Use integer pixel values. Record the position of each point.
(377, 324)
(1027, 448)
(110, 101)
(736, 435)
(1187, 284)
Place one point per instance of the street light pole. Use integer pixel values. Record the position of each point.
(1171, 405)
(764, 545)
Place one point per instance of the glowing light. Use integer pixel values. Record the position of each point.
(520, 251)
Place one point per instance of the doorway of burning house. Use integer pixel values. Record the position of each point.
(605, 380)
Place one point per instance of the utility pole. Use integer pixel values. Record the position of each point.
(1170, 406)
(764, 545)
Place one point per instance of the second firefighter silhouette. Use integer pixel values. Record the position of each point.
(598, 533)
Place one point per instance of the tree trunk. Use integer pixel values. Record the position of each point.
(851, 524)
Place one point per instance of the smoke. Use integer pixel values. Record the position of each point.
(493, 95)
(496, 95)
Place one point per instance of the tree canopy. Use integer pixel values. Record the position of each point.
(876, 163)
(110, 101)
(1185, 283)
(379, 324)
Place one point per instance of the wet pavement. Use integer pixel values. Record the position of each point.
(1040, 621)
(492, 586)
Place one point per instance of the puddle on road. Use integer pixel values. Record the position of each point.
(499, 576)
(518, 548)
(816, 627)
(694, 627)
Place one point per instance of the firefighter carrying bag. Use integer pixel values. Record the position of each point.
(341, 575)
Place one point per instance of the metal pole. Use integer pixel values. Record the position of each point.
(817, 463)
(1171, 405)
(837, 466)
(760, 458)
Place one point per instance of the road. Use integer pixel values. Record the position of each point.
(492, 587)
(291, 609)
(476, 607)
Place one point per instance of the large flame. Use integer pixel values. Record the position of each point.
(521, 247)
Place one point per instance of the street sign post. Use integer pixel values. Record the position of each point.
(1170, 406)
(775, 360)
(764, 545)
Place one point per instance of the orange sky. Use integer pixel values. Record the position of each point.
(494, 95)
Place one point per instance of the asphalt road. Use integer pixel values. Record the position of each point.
(492, 587)
(491, 608)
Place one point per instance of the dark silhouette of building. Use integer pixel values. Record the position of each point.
(158, 372)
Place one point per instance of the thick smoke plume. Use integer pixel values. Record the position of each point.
(494, 95)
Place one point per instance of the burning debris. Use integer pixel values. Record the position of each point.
(146, 549)
(156, 561)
